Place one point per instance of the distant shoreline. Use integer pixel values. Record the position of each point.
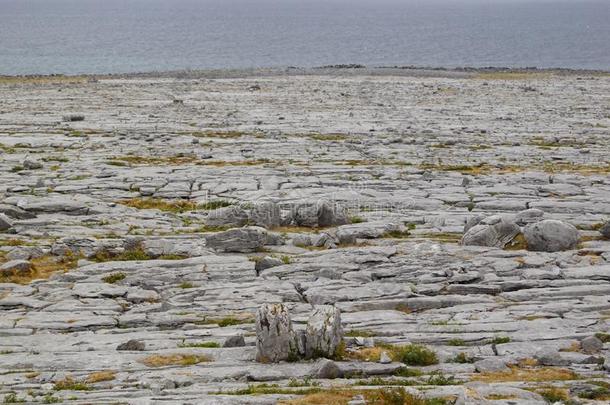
(345, 69)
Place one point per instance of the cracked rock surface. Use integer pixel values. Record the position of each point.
(138, 241)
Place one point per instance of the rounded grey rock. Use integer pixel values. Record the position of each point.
(591, 345)
(234, 341)
(551, 236)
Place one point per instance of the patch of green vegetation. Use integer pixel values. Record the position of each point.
(359, 333)
(226, 321)
(186, 284)
(55, 159)
(356, 219)
(407, 372)
(396, 234)
(212, 205)
(286, 259)
(116, 163)
(75, 133)
(598, 394)
(209, 345)
(7, 149)
(415, 355)
(328, 137)
(306, 382)
(17, 169)
(498, 340)
(436, 378)
(128, 255)
(456, 342)
(12, 398)
(604, 337)
(480, 147)
(266, 389)
(50, 399)
(114, 278)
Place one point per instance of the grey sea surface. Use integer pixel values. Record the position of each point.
(121, 36)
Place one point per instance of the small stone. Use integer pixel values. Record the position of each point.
(551, 236)
(266, 263)
(605, 230)
(32, 164)
(325, 368)
(549, 357)
(5, 223)
(591, 345)
(73, 117)
(234, 341)
(384, 358)
(132, 345)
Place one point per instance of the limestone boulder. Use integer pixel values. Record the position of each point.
(551, 236)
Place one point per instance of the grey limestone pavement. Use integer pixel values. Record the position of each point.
(452, 218)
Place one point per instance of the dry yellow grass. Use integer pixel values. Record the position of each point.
(513, 75)
(42, 268)
(159, 360)
(381, 396)
(574, 347)
(365, 354)
(528, 374)
(331, 397)
(42, 79)
(160, 204)
(496, 397)
(100, 376)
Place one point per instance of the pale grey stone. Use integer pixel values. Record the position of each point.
(132, 345)
(327, 369)
(324, 332)
(319, 213)
(5, 223)
(265, 214)
(275, 339)
(384, 358)
(248, 239)
(266, 263)
(551, 236)
(529, 216)
(490, 365)
(234, 341)
(16, 267)
(494, 231)
(231, 216)
(591, 344)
